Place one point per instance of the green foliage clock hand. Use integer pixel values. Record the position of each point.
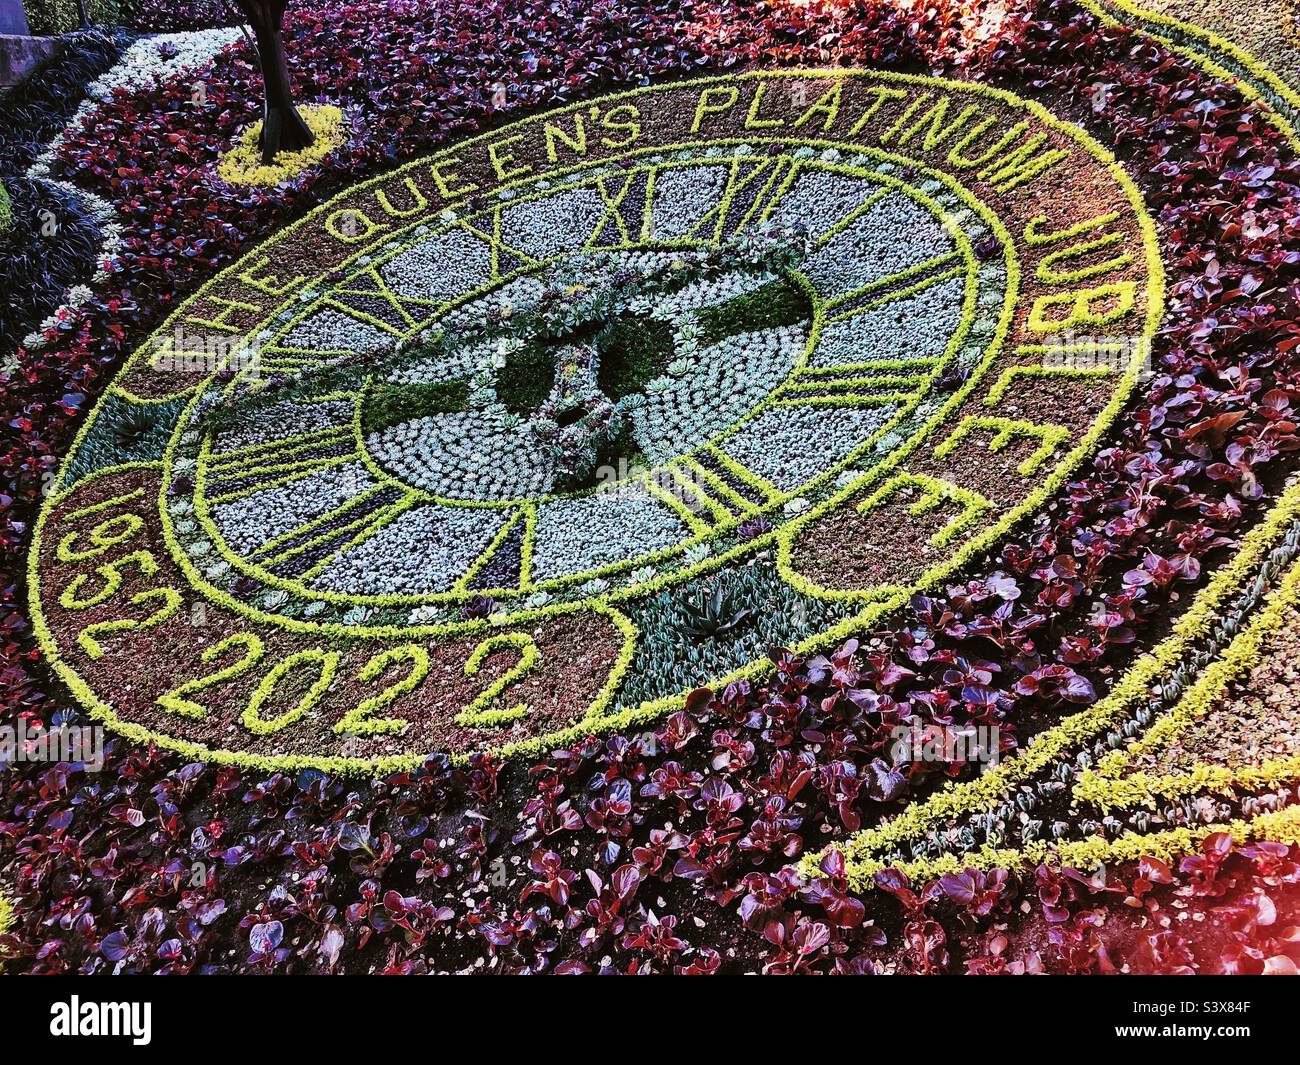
(571, 366)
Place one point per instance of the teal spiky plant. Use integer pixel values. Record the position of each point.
(134, 427)
(712, 616)
(691, 634)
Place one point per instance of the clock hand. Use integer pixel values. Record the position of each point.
(570, 307)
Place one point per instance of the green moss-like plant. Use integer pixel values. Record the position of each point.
(391, 404)
(527, 378)
(776, 304)
(634, 351)
(126, 432)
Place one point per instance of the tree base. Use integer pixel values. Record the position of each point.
(283, 130)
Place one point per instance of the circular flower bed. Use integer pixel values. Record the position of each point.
(747, 491)
(586, 355)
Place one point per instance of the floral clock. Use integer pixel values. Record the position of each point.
(527, 439)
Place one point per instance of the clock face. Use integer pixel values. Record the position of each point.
(554, 388)
(577, 416)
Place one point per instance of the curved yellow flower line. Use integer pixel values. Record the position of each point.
(1261, 86)
(966, 797)
(1281, 826)
(1111, 786)
(242, 164)
(1254, 80)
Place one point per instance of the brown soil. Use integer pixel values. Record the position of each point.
(577, 652)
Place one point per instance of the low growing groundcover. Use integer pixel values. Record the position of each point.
(693, 488)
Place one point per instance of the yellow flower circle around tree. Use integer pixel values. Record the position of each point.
(242, 164)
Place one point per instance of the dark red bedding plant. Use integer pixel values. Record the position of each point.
(628, 854)
(1154, 917)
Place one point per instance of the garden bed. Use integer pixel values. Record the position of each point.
(774, 489)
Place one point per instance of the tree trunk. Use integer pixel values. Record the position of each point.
(283, 129)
